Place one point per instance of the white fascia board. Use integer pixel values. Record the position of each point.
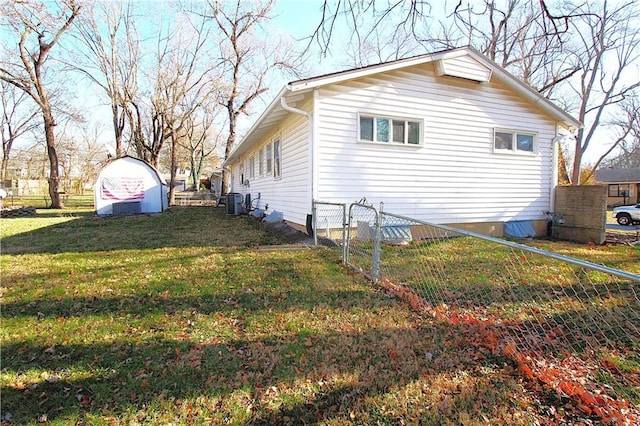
(312, 83)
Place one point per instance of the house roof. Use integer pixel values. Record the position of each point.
(298, 91)
(618, 175)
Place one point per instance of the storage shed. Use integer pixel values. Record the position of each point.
(128, 185)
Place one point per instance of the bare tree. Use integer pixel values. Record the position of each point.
(184, 83)
(18, 118)
(245, 61)
(627, 123)
(200, 143)
(38, 30)
(111, 59)
(515, 34)
(610, 46)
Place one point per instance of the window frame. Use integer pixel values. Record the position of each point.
(252, 166)
(241, 172)
(277, 158)
(513, 150)
(391, 121)
(269, 158)
(620, 187)
(261, 161)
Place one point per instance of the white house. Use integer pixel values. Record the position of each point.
(448, 137)
(127, 185)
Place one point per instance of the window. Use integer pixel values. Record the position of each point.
(616, 190)
(242, 173)
(269, 157)
(385, 130)
(261, 161)
(276, 158)
(513, 141)
(252, 167)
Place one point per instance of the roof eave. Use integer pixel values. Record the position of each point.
(272, 106)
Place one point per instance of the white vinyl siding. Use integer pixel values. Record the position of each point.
(289, 193)
(456, 176)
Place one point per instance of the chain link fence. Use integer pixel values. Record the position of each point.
(571, 325)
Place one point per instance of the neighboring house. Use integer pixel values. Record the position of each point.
(448, 137)
(623, 185)
(128, 185)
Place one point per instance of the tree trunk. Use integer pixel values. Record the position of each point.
(118, 125)
(172, 180)
(231, 140)
(5, 164)
(577, 159)
(54, 175)
(196, 184)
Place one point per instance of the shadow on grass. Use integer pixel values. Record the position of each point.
(341, 373)
(172, 228)
(291, 375)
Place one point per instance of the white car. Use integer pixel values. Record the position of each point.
(627, 215)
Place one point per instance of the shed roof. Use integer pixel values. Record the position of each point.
(631, 175)
(112, 160)
(298, 91)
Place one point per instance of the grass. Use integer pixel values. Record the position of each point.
(179, 318)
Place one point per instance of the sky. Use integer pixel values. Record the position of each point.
(298, 18)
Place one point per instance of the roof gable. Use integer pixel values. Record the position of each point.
(463, 67)
(464, 62)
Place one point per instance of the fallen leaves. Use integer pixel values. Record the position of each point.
(566, 376)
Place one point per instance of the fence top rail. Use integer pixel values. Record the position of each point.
(329, 203)
(366, 206)
(581, 263)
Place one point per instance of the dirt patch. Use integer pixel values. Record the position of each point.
(288, 234)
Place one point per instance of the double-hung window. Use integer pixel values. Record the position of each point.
(389, 130)
(252, 166)
(269, 157)
(276, 158)
(261, 161)
(511, 141)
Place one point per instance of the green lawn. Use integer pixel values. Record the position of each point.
(182, 318)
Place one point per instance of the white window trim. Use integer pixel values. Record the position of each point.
(261, 162)
(391, 118)
(279, 140)
(268, 158)
(252, 166)
(514, 142)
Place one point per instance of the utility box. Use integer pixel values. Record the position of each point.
(234, 203)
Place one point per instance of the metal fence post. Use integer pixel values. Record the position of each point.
(344, 234)
(314, 221)
(348, 240)
(375, 259)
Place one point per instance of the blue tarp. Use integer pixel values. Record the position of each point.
(519, 229)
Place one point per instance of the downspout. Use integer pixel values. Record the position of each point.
(310, 137)
(555, 146)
